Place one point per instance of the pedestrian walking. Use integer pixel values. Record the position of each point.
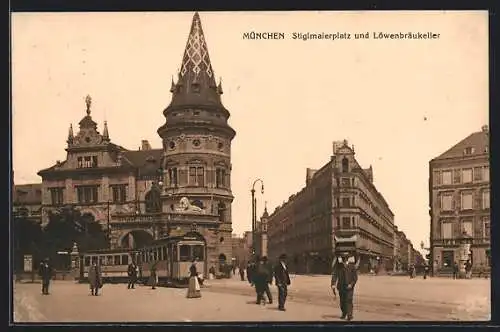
(426, 271)
(468, 269)
(133, 271)
(194, 290)
(455, 270)
(282, 281)
(269, 281)
(46, 272)
(344, 277)
(211, 273)
(250, 272)
(242, 273)
(260, 279)
(154, 276)
(95, 278)
(412, 271)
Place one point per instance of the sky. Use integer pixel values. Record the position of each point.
(399, 102)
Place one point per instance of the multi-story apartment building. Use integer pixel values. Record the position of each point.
(459, 200)
(27, 200)
(339, 200)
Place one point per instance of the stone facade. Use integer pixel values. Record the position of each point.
(339, 200)
(459, 193)
(141, 195)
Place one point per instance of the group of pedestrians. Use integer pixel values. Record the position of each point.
(344, 278)
(260, 275)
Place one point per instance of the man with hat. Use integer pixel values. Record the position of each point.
(45, 271)
(261, 279)
(282, 280)
(269, 279)
(345, 276)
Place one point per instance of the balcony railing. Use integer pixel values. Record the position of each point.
(455, 242)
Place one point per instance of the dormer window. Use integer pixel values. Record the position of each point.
(87, 162)
(345, 165)
(469, 150)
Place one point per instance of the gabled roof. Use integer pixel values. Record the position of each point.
(147, 161)
(27, 193)
(478, 141)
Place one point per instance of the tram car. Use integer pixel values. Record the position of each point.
(114, 264)
(172, 257)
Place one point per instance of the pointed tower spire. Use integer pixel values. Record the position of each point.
(71, 136)
(196, 84)
(265, 214)
(105, 133)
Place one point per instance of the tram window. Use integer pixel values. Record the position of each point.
(102, 260)
(164, 252)
(117, 260)
(184, 253)
(109, 260)
(94, 259)
(197, 251)
(155, 254)
(87, 260)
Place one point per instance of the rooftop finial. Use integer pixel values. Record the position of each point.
(219, 87)
(105, 133)
(88, 101)
(172, 86)
(70, 134)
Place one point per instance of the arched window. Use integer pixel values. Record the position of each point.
(153, 201)
(221, 209)
(220, 178)
(345, 165)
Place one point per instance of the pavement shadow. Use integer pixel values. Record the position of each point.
(273, 308)
(251, 302)
(335, 317)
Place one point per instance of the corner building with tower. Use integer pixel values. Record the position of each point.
(138, 196)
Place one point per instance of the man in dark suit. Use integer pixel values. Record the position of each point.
(260, 279)
(282, 280)
(133, 270)
(45, 271)
(345, 276)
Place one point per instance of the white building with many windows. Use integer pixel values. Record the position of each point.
(459, 193)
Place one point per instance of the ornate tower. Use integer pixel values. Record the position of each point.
(197, 141)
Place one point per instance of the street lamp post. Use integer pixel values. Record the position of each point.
(109, 223)
(254, 211)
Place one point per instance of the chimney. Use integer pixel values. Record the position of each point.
(145, 145)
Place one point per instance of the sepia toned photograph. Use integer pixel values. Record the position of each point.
(313, 166)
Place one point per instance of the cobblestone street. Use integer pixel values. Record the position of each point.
(378, 298)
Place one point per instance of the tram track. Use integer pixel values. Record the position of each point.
(407, 309)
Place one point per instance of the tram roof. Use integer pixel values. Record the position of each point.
(109, 251)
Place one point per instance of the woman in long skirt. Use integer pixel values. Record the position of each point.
(194, 285)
